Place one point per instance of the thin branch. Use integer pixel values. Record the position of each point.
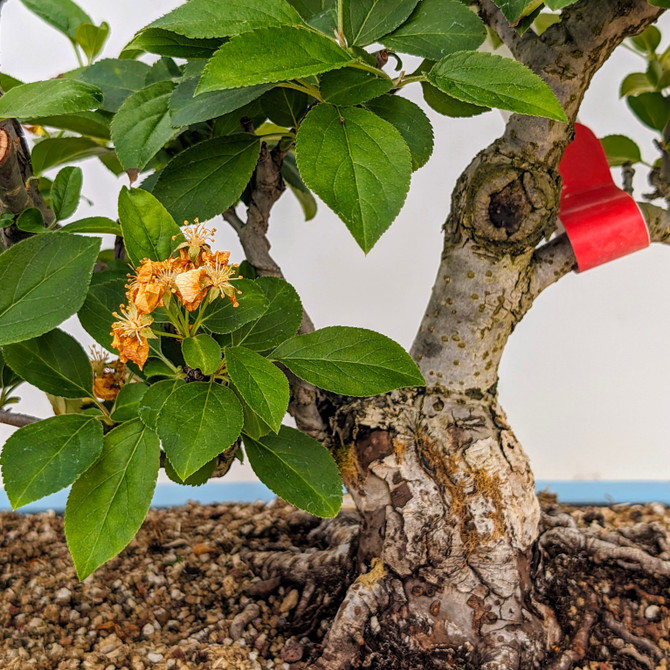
(18, 420)
(550, 262)
(492, 16)
(230, 215)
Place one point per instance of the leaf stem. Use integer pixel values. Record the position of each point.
(304, 87)
(412, 79)
(362, 65)
(340, 19)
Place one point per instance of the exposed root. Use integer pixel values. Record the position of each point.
(641, 643)
(570, 540)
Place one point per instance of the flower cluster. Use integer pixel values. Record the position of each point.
(194, 274)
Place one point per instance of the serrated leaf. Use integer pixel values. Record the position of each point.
(63, 15)
(447, 105)
(308, 8)
(53, 362)
(223, 18)
(54, 151)
(31, 221)
(653, 109)
(196, 423)
(154, 399)
(285, 106)
(276, 54)
(198, 478)
(65, 192)
(45, 457)
(365, 21)
(492, 81)
(203, 353)
(43, 281)
(116, 78)
(142, 125)
(222, 317)
(164, 69)
(349, 361)
(108, 503)
(186, 108)
(148, 229)
(262, 385)
(94, 224)
(620, 150)
(46, 98)
(95, 314)
(437, 28)
(207, 178)
(94, 123)
(358, 164)
(513, 9)
(128, 402)
(166, 43)
(279, 321)
(350, 86)
(410, 121)
(91, 38)
(298, 469)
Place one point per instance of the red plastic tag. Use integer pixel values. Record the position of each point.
(601, 221)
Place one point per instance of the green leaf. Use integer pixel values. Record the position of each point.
(65, 192)
(289, 171)
(197, 422)
(350, 86)
(155, 367)
(148, 229)
(620, 150)
(46, 98)
(99, 225)
(45, 457)
(223, 18)
(128, 402)
(365, 21)
(94, 124)
(63, 15)
(285, 106)
(203, 353)
(43, 281)
(636, 83)
(308, 8)
(410, 121)
(280, 320)
(254, 426)
(513, 9)
(54, 151)
(298, 469)
(358, 164)
(142, 125)
(222, 317)
(8, 82)
(271, 55)
(492, 81)
(95, 314)
(437, 28)
(117, 79)
(198, 478)
(349, 361)
(7, 376)
(186, 108)
(163, 69)
(92, 38)
(154, 399)
(653, 109)
(31, 221)
(660, 3)
(207, 178)
(262, 385)
(559, 4)
(447, 105)
(53, 362)
(167, 43)
(108, 503)
(648, 40)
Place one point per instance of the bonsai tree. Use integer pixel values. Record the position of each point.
(202, 355)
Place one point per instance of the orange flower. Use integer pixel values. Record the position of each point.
(131, 335)
(196, 244)
(108, 377)
(192, 287)
(219, 275)
(152, 280)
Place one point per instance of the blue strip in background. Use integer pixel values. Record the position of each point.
(569, 492)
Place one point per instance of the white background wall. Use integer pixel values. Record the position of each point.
(585, 377)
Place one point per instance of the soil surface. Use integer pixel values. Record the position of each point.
(181, 596)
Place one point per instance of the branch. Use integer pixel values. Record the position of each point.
(658, 222)
(550, 262)
(492, 16)
(18, 420)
